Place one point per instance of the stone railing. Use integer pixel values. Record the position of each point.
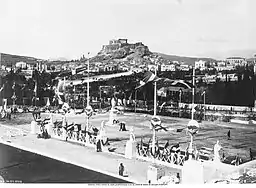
(162, 155)
(79, 137)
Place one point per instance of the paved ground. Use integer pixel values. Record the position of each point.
(19, 166)
(105, 163)
(243, 137)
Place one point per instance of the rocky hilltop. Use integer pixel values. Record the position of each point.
(117, 51)
(121, 51)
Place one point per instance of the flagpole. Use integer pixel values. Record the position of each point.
(88, 93)
(135, 100)
(193, 94)
(180, 102)
(64, 87)
(204, 105)
(155, 99)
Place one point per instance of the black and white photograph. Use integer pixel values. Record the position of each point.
(127, 92)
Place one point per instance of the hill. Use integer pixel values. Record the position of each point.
(120, 51)
(117, 51)
(9, 59)
(186, 60)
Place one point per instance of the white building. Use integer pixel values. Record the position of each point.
(200, 65)
(165, 67)
(21, 64)
(151, 67)
(184, 67)
(224, 68)
(236, 61)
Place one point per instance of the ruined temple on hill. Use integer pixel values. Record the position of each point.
(116, 44)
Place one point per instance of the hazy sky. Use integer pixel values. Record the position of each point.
(70, 28)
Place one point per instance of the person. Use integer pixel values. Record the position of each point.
(223, 156)
(121, 169)
(236, 161)
(251, 154)
(228, 134)
(98, 144)
(196, 154)
(177, 179)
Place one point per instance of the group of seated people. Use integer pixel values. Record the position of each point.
(74, 131)
(159, 151)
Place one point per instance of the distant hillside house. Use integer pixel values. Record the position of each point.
(165, 67)
(152, 67)
(184, 67)
(22, 65)
(200, 65)
(236, 61)
(224, 67)
(110, 68)
(251, 61)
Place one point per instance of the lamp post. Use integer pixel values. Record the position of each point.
(155, 103)
(180, 92)
(100, 97)
(14, 94)
(88, 107)
(74, 90)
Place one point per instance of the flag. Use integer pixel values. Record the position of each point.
(35, 89)
(155, 121)
(156, 124)
(181, 83)
(167, 144)
(148, 77)
(2, 88)
(48, 102)
(80, 69)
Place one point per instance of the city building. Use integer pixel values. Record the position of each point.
(22, 65)
(184, 67)
(200, 65)
(168, 67)
(152, 67)
(236, 61)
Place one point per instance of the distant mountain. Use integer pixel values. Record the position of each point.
(186, 60)
(59, 59)
(9, 59)
(246, 53)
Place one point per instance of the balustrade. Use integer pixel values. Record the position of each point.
(80, 137)
(162, 155)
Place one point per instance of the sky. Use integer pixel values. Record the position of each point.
(70, 28)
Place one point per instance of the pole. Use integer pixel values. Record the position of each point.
(154, 131)
(74, 97)
(64, 93)
(193, 94)
(180, 103)
(204, 105)
(100, 98)
(135, 101)
(88, 94)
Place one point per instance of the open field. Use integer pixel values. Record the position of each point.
(243, 137)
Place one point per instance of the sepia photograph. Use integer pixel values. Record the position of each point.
(127, 92)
